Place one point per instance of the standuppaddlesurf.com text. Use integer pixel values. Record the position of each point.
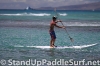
(35, 62)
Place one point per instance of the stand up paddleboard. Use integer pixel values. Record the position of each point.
(63, 47)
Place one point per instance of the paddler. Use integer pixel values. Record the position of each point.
(52, 32)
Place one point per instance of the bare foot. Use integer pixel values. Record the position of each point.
(52, 46)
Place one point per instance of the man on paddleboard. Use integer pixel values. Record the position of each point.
(52, 32)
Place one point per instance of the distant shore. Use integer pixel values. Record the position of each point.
(91, 6)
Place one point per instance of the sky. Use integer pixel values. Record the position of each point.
(22, 4)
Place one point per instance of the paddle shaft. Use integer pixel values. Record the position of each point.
(64, 26)
(66, 30)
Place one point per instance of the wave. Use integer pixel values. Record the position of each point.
(41, 14)
(46, 23)
(33, 14)
(81, 23)
(27, 14)
(61, 47)
(41, 24)
(62, 14)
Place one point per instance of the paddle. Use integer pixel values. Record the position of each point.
(64, 26)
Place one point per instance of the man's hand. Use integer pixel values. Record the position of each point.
(59, 21)
(63, 27)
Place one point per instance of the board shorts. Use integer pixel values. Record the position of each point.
(52, 34)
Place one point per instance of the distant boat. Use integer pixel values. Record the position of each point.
(29, 8)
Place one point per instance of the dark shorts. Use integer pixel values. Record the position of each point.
(52, 34)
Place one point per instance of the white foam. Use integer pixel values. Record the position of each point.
(33, 14)
(27, 14)
(11, 14)
(41, 14)
(62, 14)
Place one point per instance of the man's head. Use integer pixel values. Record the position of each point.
(54, 18)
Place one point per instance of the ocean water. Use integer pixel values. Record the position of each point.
(24, 36)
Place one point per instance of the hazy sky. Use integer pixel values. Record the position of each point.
(40, 3)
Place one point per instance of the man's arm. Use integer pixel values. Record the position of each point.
(59, 26)
(58, 21)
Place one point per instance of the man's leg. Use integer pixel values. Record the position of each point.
(53, 38)
(52, 42)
